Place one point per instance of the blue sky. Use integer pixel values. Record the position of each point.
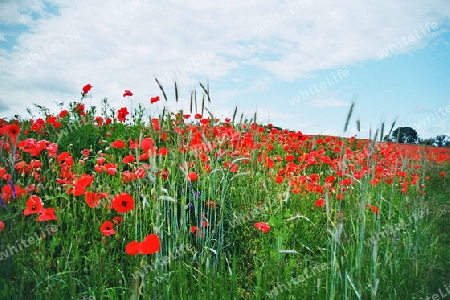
(297, 63)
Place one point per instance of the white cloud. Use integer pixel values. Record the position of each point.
(14, 12)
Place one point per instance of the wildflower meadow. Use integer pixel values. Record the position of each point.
(101, 202)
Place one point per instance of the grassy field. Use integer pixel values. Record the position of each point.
(103, 203)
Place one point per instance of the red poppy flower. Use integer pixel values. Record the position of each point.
(154, 99)
(206, 168)
(375, 209)
(111, 168)
(63, 113)
(79, 109)
(118, 220)
(442, 174)
(127, 93)
(279, 179)
(79, 187)
(87, 88)
(330, 179)
(263, 226)
(132, 248)
(65, 158)
(92, 199)
(103, 195)
(127, 176)
(2, 171)
(98, 168)
(210, 204)
(85, 180)
(194, 229)
(150, 244)
(52, 120)
(34, 206)
(133, 144)
(107, 228)
(129, 159)
(2, 226)
(320, 203)
(122, 114)
(123, 203)
(198, 116)
(155, 123)
(47, 215)
(12, 131)
(147, 145)
(139, 173)
(162, 151)
(192, 176)
(346, 181)
(290, 157)
(98, 120)
(118, 144)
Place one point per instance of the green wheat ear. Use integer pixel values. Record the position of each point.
(206, 91)
(392, 127)
(161, 88)
(349, 115)
(234, 113)
(192, 99)
(203, 104)
(176, 92)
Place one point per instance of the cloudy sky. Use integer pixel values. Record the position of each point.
(297, 63)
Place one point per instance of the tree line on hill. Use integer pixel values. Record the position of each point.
(408, 135)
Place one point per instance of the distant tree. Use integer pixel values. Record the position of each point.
(405, 135)
(428, 142)
(442, 141)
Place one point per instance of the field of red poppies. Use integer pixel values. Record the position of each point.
(116, 204)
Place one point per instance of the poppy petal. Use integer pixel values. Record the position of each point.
(150, 244)
(132, 248)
